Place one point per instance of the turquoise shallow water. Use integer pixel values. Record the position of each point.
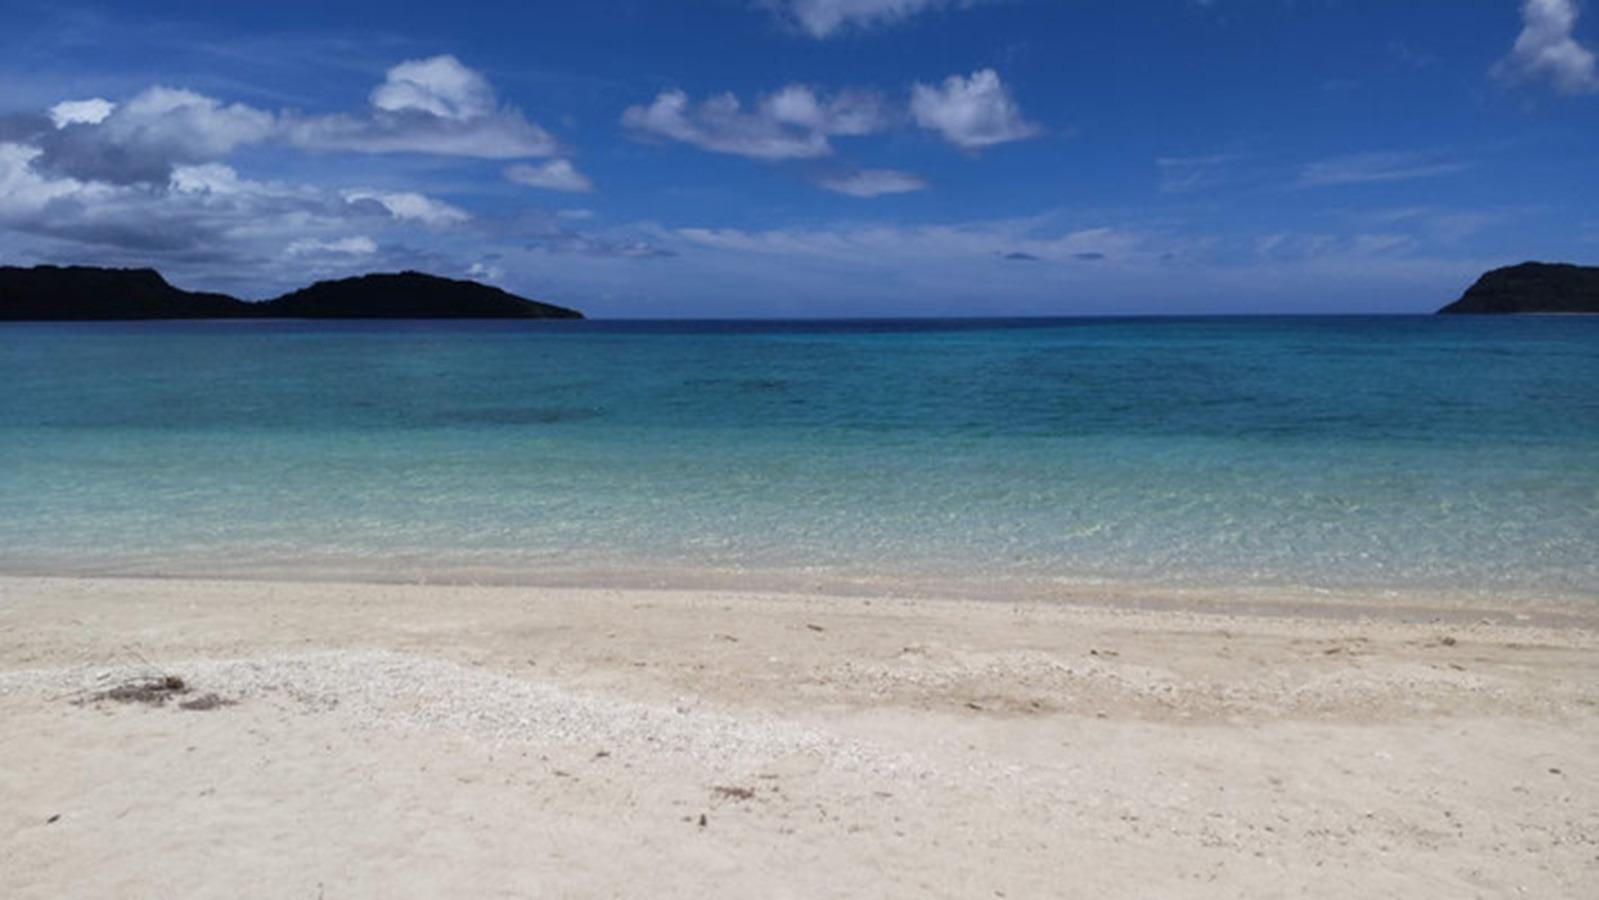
(1392, 453)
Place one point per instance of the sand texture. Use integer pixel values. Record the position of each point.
(337, 741)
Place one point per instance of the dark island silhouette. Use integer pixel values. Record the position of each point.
(87, 293)
(1531, 287)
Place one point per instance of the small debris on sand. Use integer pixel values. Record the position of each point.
(734, 792)
(206, 703)
(154, 690)
(815, 627)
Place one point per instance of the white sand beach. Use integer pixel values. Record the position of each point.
(422, 741)
(387, 740)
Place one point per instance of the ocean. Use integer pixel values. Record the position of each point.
(1368, 454)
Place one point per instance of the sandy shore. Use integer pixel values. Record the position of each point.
(391, 741)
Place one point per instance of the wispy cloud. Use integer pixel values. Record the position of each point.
(1373, 168)
(1366, 245)
(359, 245)
(1182, 174)
(872, 182)
(1547, 50)
(829, 18)
(1442, 225)
(877, 245)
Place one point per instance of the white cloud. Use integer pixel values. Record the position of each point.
(203, 126)
(793, 123)
(148, 183)
(481, 271)
(23, 190)
(824, 18)
(555, 175)
(439, 86)
(1373, 168)
(434, 106)
(350, 246)
(971, 113)
(81, 112)
(406, 206)
(430, 106)
(220, 181)
(1547, 50)
(872, 182)
(141, 140)
(849, 112)
(205, 211)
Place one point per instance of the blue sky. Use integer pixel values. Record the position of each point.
(812, 157)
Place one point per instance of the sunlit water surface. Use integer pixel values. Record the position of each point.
(1347, 453)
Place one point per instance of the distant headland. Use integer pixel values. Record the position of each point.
(86, 293)
(1531, 287)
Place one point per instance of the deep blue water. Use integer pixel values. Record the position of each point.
(1384, 452)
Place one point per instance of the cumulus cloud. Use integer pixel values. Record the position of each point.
(1546, 49)
(849, 112)
(143, 139)
(825, 18)
(1374, 168)
(439, 86)
(146, 180)
(794, 123)
(797, 122)
(434, 106)
(555, 175)
(430, 106)
(203, 211)
(971, 113)
(81, 112)
(218, 180)
(407, 206)
(872, 182)
(23, 190)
